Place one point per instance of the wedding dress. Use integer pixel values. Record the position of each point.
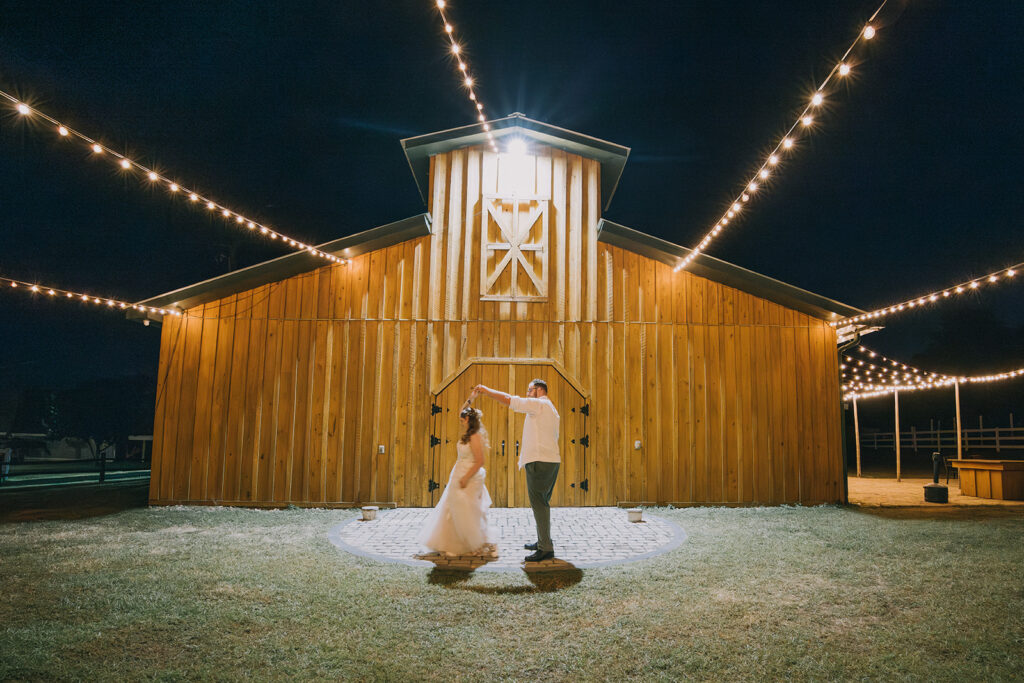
(458, 524)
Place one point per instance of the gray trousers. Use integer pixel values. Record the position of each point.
(540, 482)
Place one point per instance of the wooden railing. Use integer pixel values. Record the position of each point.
(998, 439)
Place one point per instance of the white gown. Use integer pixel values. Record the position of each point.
(458, 524)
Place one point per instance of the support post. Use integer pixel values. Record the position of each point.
(856, 433)
(896, 396)
(959, 439)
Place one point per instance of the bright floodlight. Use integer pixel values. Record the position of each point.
(23, 109)
(517, 146)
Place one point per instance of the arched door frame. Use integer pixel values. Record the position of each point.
(469, 362)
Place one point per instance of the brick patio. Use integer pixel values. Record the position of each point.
(584, 538)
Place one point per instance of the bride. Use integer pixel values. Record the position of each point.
(458, 525)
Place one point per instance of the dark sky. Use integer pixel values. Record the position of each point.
(292, 112)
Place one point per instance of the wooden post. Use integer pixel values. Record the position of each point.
(856, 433)
(896, 397)
(959, 440)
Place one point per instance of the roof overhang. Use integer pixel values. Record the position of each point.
(286, 266)
(725, 273)
(612, 157)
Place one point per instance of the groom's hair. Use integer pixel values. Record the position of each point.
(540, 384)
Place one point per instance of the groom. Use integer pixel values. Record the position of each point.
(539, 454)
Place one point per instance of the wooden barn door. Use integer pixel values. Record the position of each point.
(447, 429)
(505, 482)
(568, 402)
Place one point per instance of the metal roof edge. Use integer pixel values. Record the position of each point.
(610, 155)
(289, 265)
(725, 273)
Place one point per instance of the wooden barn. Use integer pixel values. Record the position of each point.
(299, 382)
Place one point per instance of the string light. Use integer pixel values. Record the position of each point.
(869, 391)
(464, 72)
(805, 119)
(154, 176)
(996, 277)
(98, 301)
(911, 379)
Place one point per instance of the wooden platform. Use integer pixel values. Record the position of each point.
(995, 479)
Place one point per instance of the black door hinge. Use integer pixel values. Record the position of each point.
(432, 486)
(585, 442)
(434, 441)
(585, 485)
(585, 409)
(434, 409)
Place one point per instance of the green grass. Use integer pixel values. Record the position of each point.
(763, 593)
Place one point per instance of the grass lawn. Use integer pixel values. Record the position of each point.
(759, 593)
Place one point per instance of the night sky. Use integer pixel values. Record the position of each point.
(292, 113)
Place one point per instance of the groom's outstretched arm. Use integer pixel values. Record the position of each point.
(500, 396)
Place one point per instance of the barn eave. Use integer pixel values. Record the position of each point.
(284, 267)
(725, 273)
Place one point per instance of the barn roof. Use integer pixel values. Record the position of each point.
(611, 156)
(418, 151)
(705, 266)
(289, 265)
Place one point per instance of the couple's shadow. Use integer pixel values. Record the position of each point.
(547, 579)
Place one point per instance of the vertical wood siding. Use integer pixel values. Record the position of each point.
(317, 390)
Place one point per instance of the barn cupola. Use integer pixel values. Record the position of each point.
(519, 225)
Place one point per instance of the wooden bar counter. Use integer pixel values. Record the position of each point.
(996, 479)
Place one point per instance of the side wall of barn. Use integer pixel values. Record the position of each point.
(285, 394)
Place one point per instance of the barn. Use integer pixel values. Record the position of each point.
(292, 382)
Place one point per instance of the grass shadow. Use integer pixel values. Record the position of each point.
(72, 502)
(948, 511)
(546, 580)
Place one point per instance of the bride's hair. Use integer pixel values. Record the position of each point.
(473, 425)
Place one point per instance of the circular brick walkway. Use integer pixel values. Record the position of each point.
(584, 538)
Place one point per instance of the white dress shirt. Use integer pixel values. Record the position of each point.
(540, 429)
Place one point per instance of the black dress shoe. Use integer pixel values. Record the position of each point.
(530, 546)
(540, 556)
